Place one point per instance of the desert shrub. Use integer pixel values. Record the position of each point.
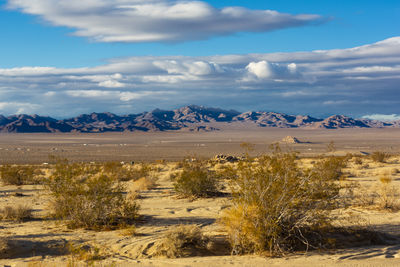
(20, 213)
(387, 193)
(18, 174)
(379, 156)
(277, 206)
(330, 167)
(84, 252)
(181, 241)
(358, 161)
(125, 173)
(196, 180)
(92, 201)
(144, 183)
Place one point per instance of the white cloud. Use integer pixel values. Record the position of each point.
(155, 20)
(260, 69)
(383, 117)
(336, 102)
(366, 77)
(111, 84)
(266, 70)
(18, 107)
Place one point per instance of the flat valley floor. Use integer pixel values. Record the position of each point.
(172, 146)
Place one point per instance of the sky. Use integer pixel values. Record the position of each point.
(62, 58)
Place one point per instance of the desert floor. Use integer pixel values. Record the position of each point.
(172, 146)
(39, 240)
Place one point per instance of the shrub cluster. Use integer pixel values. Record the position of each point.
(279, 207)
(125, 173)
(89, 199)
(196, 180)
(18, 175)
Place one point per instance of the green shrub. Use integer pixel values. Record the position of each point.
(18, 174)
(89, 199)
(196, 180)
(279, 207)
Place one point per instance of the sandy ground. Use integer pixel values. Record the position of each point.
(39, 241)
(36, 148)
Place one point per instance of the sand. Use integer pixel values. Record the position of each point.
(41, 240)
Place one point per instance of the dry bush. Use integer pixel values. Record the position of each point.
(121, 172)
(181, 241)
(330, 167)
(84, 252)
(142, 184)
(20, 213)
(279, 207)
(19, 175)
(89, 200)
(387, 194)
(196, 180)
(379, 156)
(365, 197)
(358, 160)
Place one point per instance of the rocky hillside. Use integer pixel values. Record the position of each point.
(192, 118)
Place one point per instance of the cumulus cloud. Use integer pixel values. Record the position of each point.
(383, 117)
(358, 81)
(156, 20)
(266, 70)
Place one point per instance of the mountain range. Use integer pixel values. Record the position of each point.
(192, 118)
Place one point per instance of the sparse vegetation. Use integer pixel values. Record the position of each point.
(144, 183)
(379, 156)
(89, 199)
(19, 175)
(181, 241)
(387, 193)
(196, 180)
(279, 207)
(120, 172)
(19, 214)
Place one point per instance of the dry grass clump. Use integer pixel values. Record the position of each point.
(382, 196)
(21, 213)
(196, 180)
(379, 156)
(19, 175)
(142, 184)
(387, 194)
(181, 241)
(279, 207)
(89, 200)
(84, 252)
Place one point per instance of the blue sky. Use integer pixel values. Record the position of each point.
(62, 58)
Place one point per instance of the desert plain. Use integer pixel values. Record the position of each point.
(41, 241)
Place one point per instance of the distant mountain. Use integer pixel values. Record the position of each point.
(190, 118)
(273, 119)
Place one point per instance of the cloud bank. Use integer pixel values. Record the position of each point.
(355, 81)
(156, 20)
